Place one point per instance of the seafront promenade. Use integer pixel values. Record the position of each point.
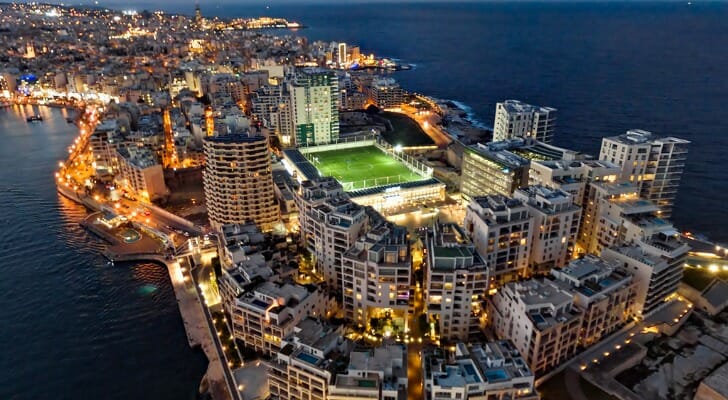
(196, 318)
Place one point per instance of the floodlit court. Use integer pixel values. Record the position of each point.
(362, 167)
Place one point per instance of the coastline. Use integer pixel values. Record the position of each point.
(198, 330)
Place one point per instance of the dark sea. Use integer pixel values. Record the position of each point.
(76, 328)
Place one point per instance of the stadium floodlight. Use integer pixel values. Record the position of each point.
(398, 148)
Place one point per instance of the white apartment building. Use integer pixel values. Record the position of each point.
(386, 93)
(238, 181)
(555, 226)
(601, 214)
(104, 142)
(315, 109)
(308, 361)
(330, 225)
(618, 216)
(654, 164)
(264, 312)
(540, 318)
(603, 292)
(657, 265)
(263, 305)
(493, 371)
(312, 365)
(456, 281)
(572, 176)
(501, 229)
(376, 276)
(376, 374)
(514, 118)
(140, 172)
(271, 104)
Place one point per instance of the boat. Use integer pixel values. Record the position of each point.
(34, 118)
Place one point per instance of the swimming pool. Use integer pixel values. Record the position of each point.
(496, 375)
(470, 370)
(311, 359)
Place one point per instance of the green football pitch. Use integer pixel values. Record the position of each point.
(362, 167)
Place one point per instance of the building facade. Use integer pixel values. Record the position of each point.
(315, 109)
(330, 225)
(603, 292)
(493, 371)
(456, 282)
(555, 226)
(376, 277)
(486, 170)
(540, 318)
(657, 264)
(501, 229)
(514, 118)
(655, 165)
(238, 181)
(140, 172)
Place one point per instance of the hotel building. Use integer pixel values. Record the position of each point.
(500, 228)
(456, 282)
(540, 318)
(315, 109)
(654, 164)
(238, 181)
(514, 118)
(140, 172)
(493, 371)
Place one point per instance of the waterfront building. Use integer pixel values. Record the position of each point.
(540, 318)
(238, 181)
(493, 371)
(330, 225)
(555, 226)
(141, 173)
(376, 275)
(456, 281)
(342, 55)
(501, 228)
(386, 93)
(315, 109)
(535, 150)
(601, 214)
(487, 170)
(655, 165)
(572, 176)
(103, 143)
(317, 362)
(514, 118)
(263, 308)
(604, 293)
(616, 215)
(657, 265)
